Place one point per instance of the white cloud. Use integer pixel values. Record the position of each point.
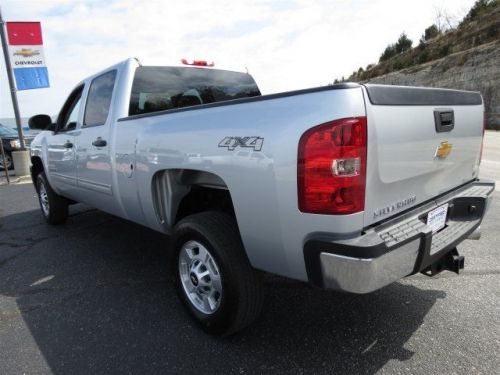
(285, 44)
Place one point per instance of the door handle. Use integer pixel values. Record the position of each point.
(444, 120)
(68, 144)
(99, 142)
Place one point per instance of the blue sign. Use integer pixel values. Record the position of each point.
(31, 78)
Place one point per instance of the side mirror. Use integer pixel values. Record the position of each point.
(40, 122)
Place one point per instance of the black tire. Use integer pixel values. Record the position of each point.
(8, 160)
(242, 293)
(57, 210)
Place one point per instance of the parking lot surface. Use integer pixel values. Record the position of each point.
(490, 163)
(95, 296)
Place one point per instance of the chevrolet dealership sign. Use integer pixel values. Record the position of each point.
(26, 55)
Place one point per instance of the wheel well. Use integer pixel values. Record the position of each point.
(180, 192)
(201, 199)
(36, 168)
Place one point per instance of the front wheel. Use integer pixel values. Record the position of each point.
(54, 207)
(213, 276)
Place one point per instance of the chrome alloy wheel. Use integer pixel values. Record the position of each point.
(44, 199)
(200, 277)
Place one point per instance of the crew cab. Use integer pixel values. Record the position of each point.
(349, 187)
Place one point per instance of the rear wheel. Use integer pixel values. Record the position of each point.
(8, 162)
(213, 276)
(54, 207)
(200, 277)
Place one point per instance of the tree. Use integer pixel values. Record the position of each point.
(431, 32)
(390, 51)
(478, 8)
(403, 44)
(444, 20)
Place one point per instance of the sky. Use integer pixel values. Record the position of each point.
(285, 45)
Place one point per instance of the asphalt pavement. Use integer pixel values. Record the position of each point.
(95, 296)
(490, 163)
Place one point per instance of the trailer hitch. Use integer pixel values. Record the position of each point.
(451, 261)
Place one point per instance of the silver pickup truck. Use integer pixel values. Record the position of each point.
(349, 187)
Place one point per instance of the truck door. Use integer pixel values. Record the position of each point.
(93, 144)
(61, 154)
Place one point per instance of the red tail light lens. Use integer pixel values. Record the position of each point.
(331, 168)
(197, 63)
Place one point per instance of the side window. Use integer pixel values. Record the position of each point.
(68, 117)
(99, 99)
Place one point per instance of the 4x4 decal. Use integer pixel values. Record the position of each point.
(250, 142)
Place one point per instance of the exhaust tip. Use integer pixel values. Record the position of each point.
(476, 234)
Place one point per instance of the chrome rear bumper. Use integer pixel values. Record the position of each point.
(399, 247)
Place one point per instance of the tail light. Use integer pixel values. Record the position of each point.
(331, 167)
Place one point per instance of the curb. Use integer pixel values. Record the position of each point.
(15, 180)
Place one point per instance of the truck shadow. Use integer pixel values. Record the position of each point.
(96, 297)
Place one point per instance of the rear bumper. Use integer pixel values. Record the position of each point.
(399, 247)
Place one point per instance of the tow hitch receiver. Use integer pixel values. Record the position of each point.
(451, 262)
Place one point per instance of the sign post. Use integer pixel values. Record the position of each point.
(13, 92)
(23, 52)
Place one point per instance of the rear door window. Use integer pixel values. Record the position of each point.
(99, 99)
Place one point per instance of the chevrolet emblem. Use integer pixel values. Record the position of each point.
(26, 52)
(443, 150)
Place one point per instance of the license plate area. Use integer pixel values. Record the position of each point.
(436, 219)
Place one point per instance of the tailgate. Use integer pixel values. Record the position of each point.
(422, 142)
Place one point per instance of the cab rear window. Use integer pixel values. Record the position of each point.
(163, 88)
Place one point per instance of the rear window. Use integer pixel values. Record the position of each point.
(99, 99)
(162, 88)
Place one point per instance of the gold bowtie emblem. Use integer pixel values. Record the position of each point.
(26, 52)
(443, 150)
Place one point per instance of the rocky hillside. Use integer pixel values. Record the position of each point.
(467, 57)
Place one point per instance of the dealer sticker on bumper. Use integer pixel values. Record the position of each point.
(436, 219)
